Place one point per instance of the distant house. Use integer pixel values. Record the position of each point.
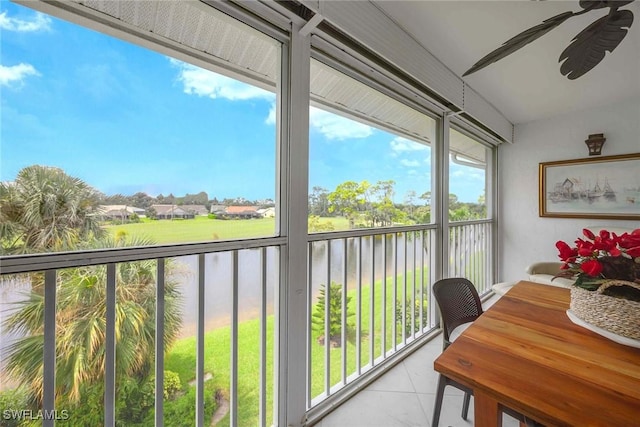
(118, 212)
(218, 209)
(242, 212)
(267, 212)
(171, 212)
(195, 209)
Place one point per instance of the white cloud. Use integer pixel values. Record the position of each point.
(400, 145)
(201, 82)
(15, 74)
(465, 174)
(336, 127)
(271, 118)
(410, 163)
(41, 23)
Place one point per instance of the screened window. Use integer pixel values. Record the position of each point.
(108, 144)
(105, 141)
(467, 177)
(369, 156)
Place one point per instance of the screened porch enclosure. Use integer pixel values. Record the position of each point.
(229, 331)
(262, 310)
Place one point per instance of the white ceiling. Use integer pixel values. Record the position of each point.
(526, 85)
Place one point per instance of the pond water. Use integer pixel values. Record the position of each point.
(219, 273)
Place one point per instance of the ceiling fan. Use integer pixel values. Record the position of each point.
(586, 50)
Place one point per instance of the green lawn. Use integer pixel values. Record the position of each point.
(181, 357)
(203, 229)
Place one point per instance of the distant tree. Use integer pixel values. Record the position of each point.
(318, 201)
(426, 196)
(114, 199)
(151, 213)
(422, 214)
(200, 198)
(382, 211)
(409, 202)
(461, 213)
(453, 201)
(349, 199)
(141, 200)
(45, 209)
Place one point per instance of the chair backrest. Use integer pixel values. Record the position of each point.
(458, 302)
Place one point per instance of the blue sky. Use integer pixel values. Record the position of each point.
(125, 119)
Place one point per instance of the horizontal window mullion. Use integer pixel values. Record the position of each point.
(316, 237)
(39, 262)
(453, 224)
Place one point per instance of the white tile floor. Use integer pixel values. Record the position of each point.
(405, 396)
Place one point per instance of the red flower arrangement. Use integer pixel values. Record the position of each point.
(597, 258)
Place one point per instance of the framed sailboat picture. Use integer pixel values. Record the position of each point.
(605, 187)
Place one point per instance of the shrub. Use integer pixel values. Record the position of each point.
(135, 400)
(335, 310)
(172, 386)
(315, 225)
(408, 329)
(16, 399)
(181, 411)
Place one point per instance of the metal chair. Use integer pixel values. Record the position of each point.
(459, 303)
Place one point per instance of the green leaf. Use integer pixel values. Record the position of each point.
(588, 284)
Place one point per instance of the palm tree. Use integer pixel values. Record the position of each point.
(45, 210)
(80, 325)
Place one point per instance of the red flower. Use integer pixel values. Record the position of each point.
(634, 252)
(588, 234)
(615, 251)
(630, 240)
(585, 248)
(567, 254)
(592, 267)
(593, 258)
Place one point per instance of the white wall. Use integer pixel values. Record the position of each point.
(525, 237)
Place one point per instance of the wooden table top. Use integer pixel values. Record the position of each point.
(525, 353)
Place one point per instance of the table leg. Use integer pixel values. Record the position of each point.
(486, 410)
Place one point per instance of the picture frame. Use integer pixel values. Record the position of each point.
(606, 187)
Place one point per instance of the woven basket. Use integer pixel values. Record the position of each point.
(617, 315)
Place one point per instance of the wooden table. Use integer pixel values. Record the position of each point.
(525, 353)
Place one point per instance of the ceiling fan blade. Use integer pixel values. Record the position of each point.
(519, 41)
(600, 4)
(589, 47)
